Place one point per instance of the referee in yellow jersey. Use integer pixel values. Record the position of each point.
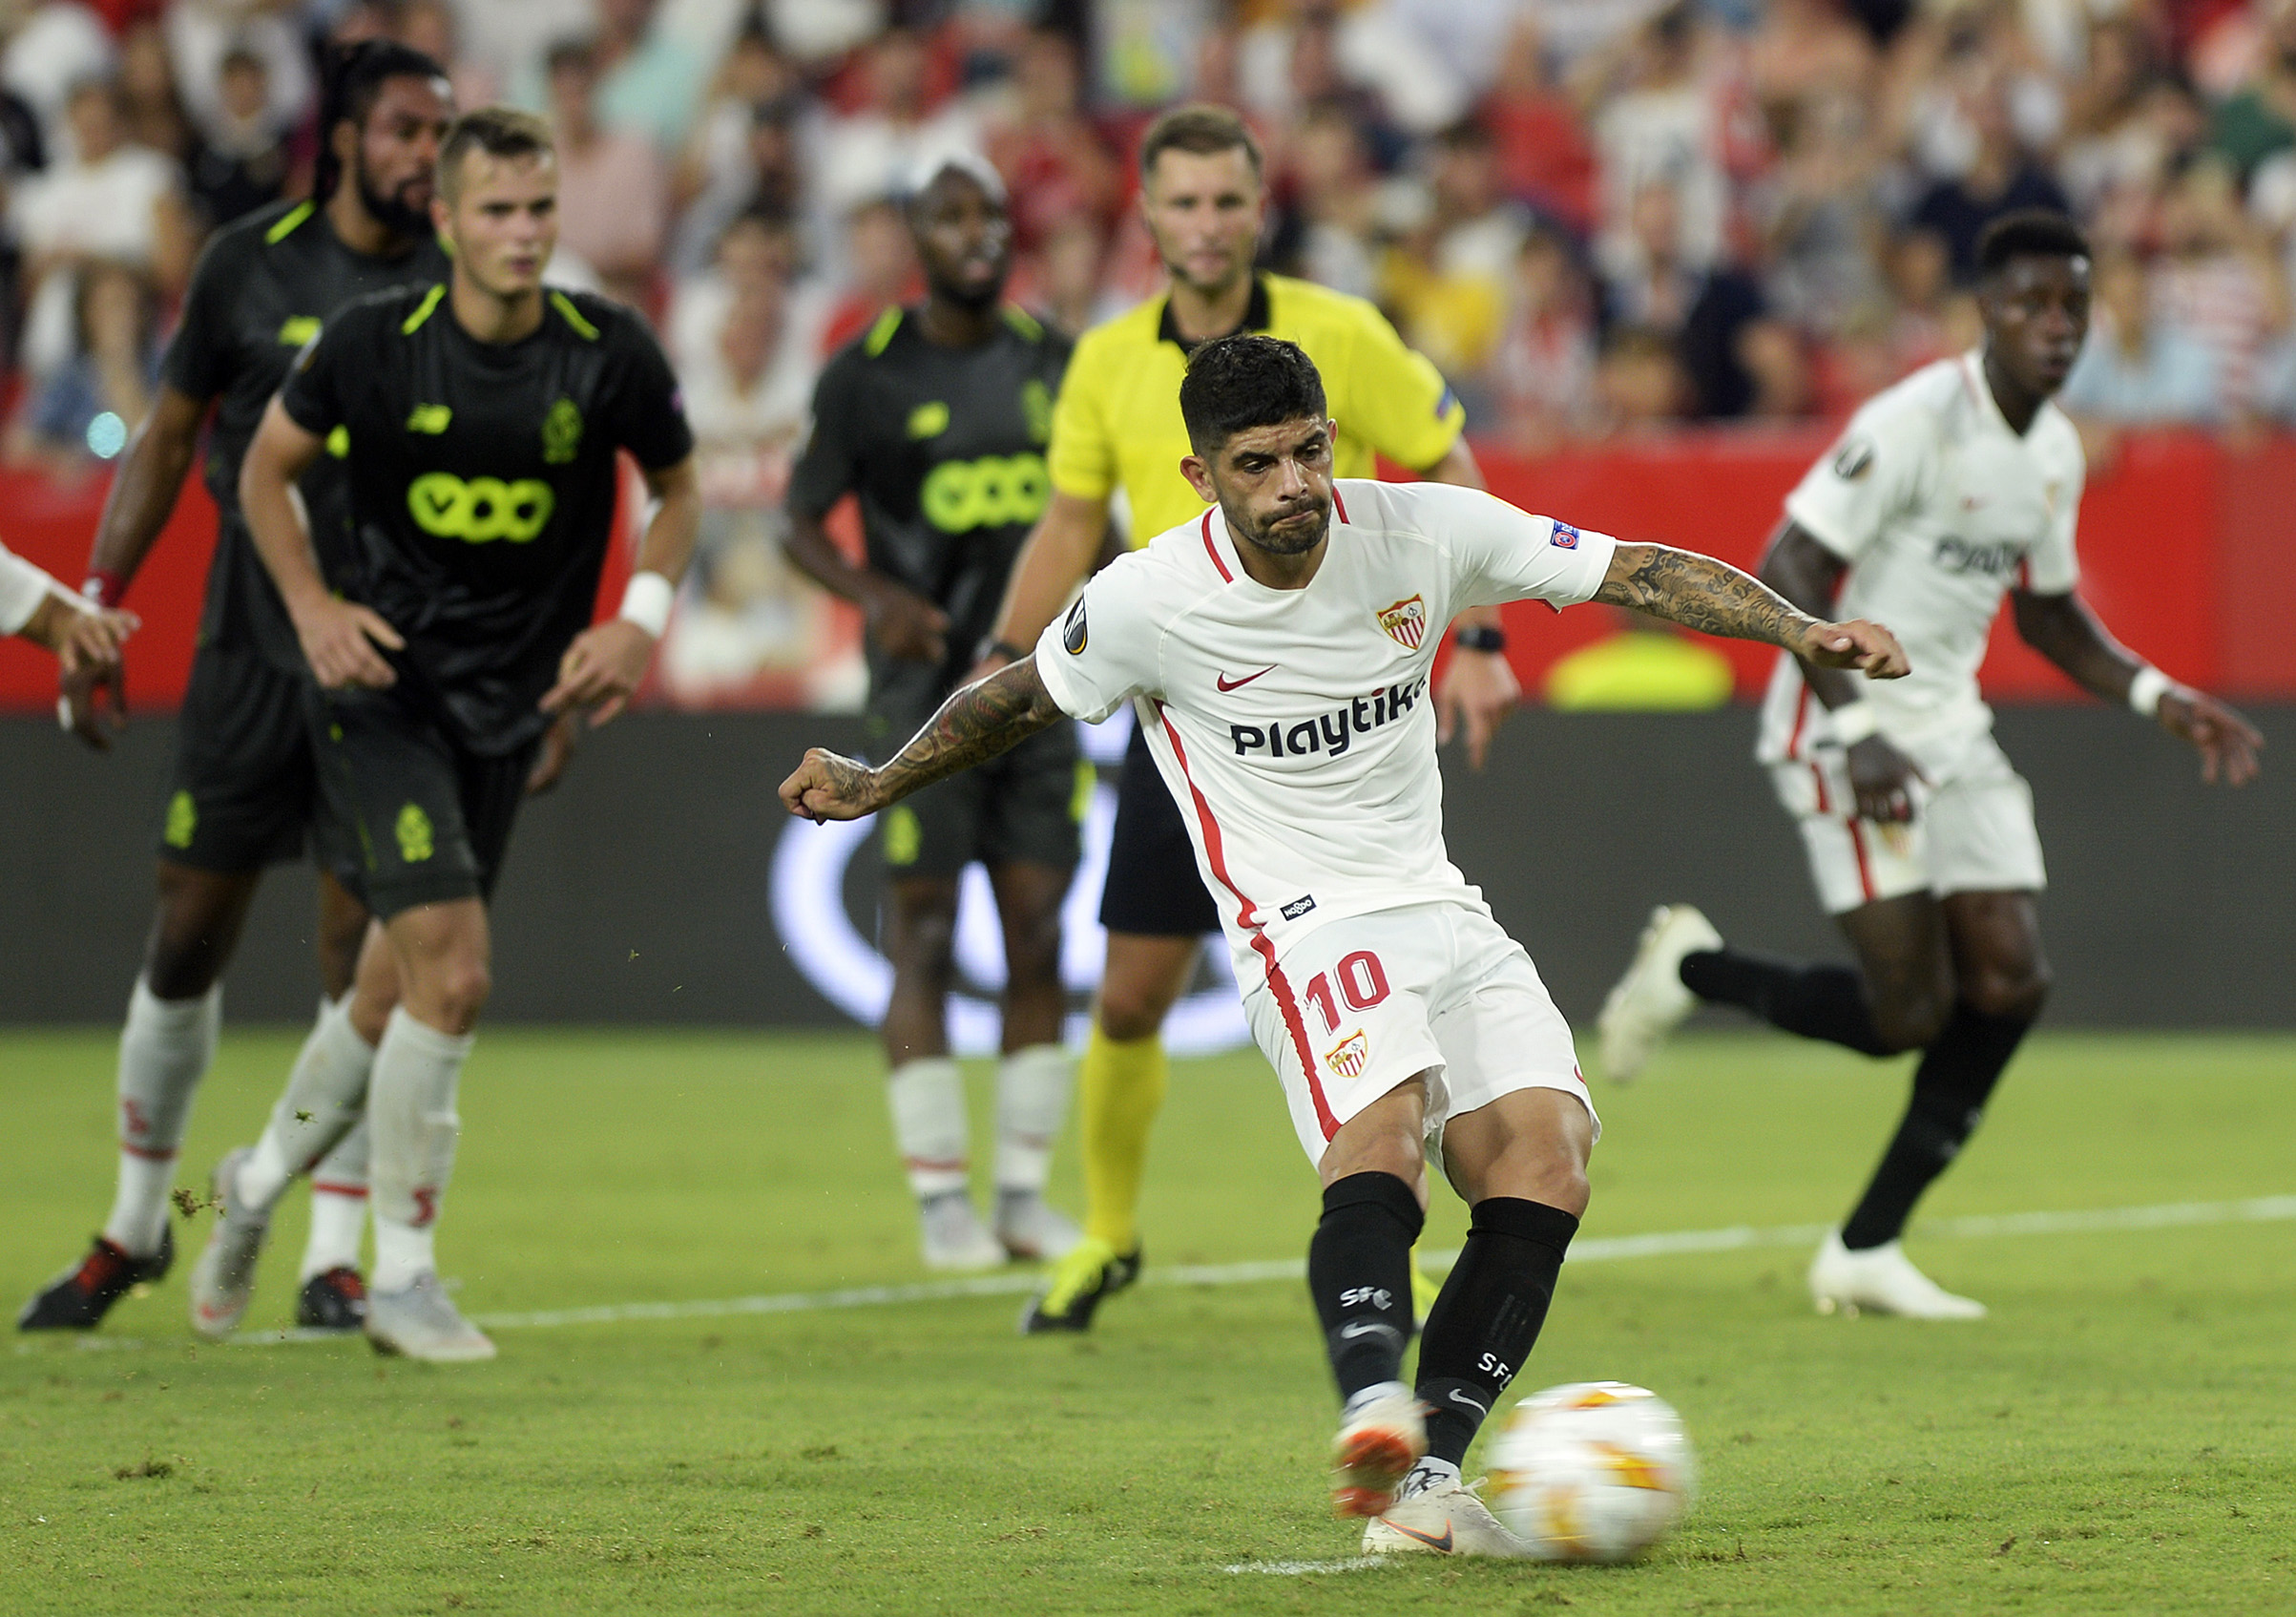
(1117, 424)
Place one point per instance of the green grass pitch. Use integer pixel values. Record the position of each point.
(2117, 1437)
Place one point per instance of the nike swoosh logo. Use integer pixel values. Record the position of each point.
(1364, 1328)
(1465, 1402)
(1226, 685)
(1440, 1545)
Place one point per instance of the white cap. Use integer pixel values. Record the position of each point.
(930, 166)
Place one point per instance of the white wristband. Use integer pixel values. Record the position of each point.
(1854, 722)
(646, 602)
(2146, 690)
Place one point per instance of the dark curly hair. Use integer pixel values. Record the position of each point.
(1243, 381)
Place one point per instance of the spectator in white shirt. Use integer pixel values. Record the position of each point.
(613, 189)
(113, 203)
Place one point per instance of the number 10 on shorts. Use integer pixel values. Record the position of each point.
(1362, 983)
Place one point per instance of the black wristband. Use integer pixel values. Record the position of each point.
(1005, 650)
(1479, 637)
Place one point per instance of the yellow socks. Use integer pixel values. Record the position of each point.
(1121, 1089)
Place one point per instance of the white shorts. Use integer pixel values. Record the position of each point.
(1972, 829)
(1365, 1003)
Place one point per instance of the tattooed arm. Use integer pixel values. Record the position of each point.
(972, 727)
(1715, 597)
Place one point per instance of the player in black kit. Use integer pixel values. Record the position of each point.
(483, 415)
(938, 417)
(241, 792)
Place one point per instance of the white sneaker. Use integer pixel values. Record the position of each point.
(222, 1282)
(955, 1240)
(1883, 1279)
(1649, 1001)
(1029, 1228)
(421, 1322)
(1449, 1518)
(1382, 1434)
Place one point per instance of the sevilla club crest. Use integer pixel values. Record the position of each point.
(1347, 1058)
(1405, 623)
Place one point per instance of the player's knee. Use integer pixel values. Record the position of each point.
(1033, 952)
(1132, 1010)
(192, 935)
(922, 942)
(2015, 990)
(1557, 1176)
(459, 988)
(181, 965)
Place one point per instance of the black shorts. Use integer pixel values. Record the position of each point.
(1026, 805)
(243, 789)
(1153, 890)
(416, 816)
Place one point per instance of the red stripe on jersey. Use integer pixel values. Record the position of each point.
(1819, 776)
(328, 1187)
(1213, 551)
(1277, 983)
(1793, 743)
(1857, 840)
(147, 1156)
(1338, 504)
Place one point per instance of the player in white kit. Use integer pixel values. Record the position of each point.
(1277, 652)
(1958, 485)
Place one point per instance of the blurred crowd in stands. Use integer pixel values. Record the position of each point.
(1599, 217)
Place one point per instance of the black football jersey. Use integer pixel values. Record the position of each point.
(946, 449)
(482, 484)
(258, 293)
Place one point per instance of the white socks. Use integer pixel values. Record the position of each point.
(929, 1124)
(410, 1109)
(928, 1096)
(338, 1205)
(326, 1097)
(164, 1051)
(1032, 1088)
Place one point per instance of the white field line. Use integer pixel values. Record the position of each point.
(1600, 1248)
(1310, 1568)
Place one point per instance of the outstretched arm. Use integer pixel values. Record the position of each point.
(1809, 576)
(2062, 628)
(1715, 597)
(973, 725)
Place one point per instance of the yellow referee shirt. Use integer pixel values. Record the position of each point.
(1117, 419)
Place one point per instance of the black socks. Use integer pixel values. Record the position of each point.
(1826, 1002)
(1483, 1325)
(1359, 1272)
(1955, 1077)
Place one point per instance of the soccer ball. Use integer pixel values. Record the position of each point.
(1594, 1471)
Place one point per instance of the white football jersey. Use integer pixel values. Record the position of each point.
(1295, 728)
(1938, 508)
(22, 588)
